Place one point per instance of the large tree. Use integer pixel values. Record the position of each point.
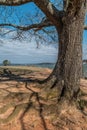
(69, 24)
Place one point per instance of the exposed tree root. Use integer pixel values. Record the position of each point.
(52, 75)
(40, 100)
(15, 112)
(5, 108)
(63, 118)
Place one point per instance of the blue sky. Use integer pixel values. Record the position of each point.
(11, 51)
(85, 32)
(30, 10)
(85, 37)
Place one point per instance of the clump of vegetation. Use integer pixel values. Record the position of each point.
(6, 62)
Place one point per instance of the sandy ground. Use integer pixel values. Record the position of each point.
(30, 106)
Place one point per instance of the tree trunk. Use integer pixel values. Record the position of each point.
(69, 68)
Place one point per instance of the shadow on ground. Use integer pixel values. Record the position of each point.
(25, 103)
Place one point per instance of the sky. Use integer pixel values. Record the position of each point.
(26, 51)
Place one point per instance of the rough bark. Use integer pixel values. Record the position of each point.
(14, 2)
(85, 27)
(70, 56)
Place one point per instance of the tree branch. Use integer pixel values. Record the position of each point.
(52, 13)
(64, 5)
(85, 27)
(14, 2)
(37, 27)
(46, 6)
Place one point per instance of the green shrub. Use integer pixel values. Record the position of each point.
(6, 62)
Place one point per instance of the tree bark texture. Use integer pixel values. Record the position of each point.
(69, 67)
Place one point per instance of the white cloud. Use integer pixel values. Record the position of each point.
(24, 52)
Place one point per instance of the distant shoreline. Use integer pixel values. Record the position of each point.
(43, 65)
(35, 64)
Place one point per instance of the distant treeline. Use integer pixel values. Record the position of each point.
(29, 63)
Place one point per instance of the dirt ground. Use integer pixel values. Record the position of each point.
(27, 105)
